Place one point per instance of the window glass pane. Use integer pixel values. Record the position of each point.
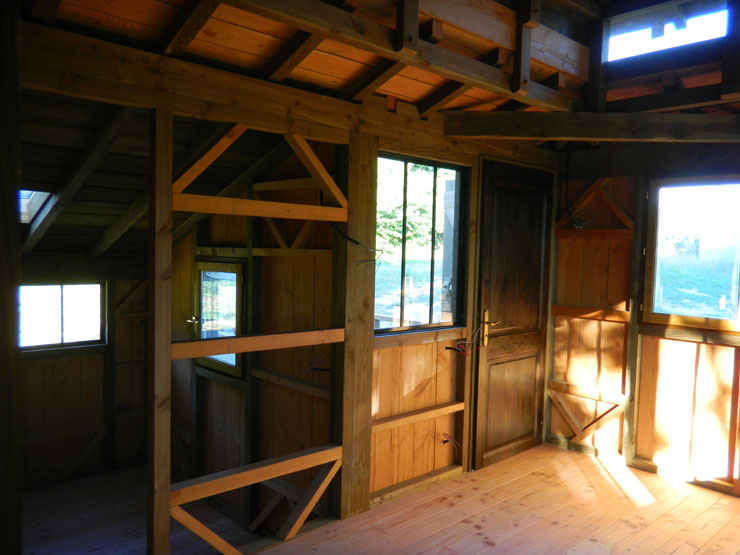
(218, 308)
(41, 315)
(697, 255)
(445, 262)
(417, 280)
(81, 313)
(388, 243)
(666, 26)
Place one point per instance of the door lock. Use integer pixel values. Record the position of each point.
(486, 323)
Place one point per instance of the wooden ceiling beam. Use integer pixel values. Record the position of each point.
(317, 170)
(373, 80)
(193, 16)
(585, 8)
(336, 24)
(138, 209)
(292, 54)
(590, 126)
(442, 96)
(54, 205)
(671, 101)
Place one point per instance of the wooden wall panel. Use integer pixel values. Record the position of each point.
(407, 378)
(684, 409)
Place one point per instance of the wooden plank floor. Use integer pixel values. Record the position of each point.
(545, 500)
(106, 513)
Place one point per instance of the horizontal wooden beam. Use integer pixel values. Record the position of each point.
(253, 343)
(284, 184)
(291, 382)
(391, 422)
(228, 480)
(604, 315)
(337, 24)
(241, 252)
(203, 204)
(671, 101)
(572, 389)
(591, 126)
(593, 233)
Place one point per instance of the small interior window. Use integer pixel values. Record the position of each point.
(667, 25)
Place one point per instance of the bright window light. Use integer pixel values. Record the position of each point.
(59, 314)
(642, 41)
(29, 203)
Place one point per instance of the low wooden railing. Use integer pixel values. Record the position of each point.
(329, 457)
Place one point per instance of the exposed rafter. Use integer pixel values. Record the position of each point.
(443, 95)
(55, 204)
(373, 80)
(588, 126)
(192, 17)
(337, 24)
(292, 54)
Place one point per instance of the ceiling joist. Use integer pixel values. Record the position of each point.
(191, 20)
(589, 126)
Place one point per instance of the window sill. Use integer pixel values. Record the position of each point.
(33, 353)
(418, 337)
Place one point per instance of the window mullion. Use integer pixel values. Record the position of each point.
(433, 242)
(403, 242)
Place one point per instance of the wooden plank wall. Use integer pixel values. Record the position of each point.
(64, 398)
(407, 378)
(593, 273)
(685, 424)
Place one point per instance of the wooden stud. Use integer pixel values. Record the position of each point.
(731, 56)
(210, 156)
(11, 376)
(596, 87)
(205, 204)
(308, 501)
(160, 331)
(55, 204)
(293, 53)
(587, 126)
(252, 343)
(228, 480)
(407, 26)
(203, 532)
(191, 19)
(317, 170)
(523, 48)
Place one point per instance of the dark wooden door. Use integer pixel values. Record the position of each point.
(513, 285)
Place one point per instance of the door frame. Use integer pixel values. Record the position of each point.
(474, 313)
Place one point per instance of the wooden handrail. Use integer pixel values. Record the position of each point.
(228, 480)
(252, 343)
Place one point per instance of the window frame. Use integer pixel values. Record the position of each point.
(671, 320)
(235, 267)
(102, 341)
(460, 245)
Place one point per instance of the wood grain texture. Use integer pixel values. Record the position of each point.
(160, 333)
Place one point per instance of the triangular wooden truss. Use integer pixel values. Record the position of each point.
(557, 389)
(596, 190)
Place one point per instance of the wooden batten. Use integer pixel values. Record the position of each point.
(11, 385)
(160, 331)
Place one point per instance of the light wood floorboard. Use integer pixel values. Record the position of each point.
(546, 500)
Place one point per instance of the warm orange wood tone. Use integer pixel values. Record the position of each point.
(184, 202)
(316, 168)
(249, 344)
(192, 173)
(197, 527)
(544, 500)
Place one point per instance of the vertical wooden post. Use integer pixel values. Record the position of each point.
(11, 389)
(160, 331)
(598, 55)
(633, 338)
(527, 18)
(407, 25)
(731, 62)
(358, 323)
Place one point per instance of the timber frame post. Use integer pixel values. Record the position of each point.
(11, 386)
(160, 332)
(353, 408)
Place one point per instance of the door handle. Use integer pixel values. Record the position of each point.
(193, 320)
(486, 323)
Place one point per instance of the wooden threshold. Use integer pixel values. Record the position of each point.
(252, 343)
